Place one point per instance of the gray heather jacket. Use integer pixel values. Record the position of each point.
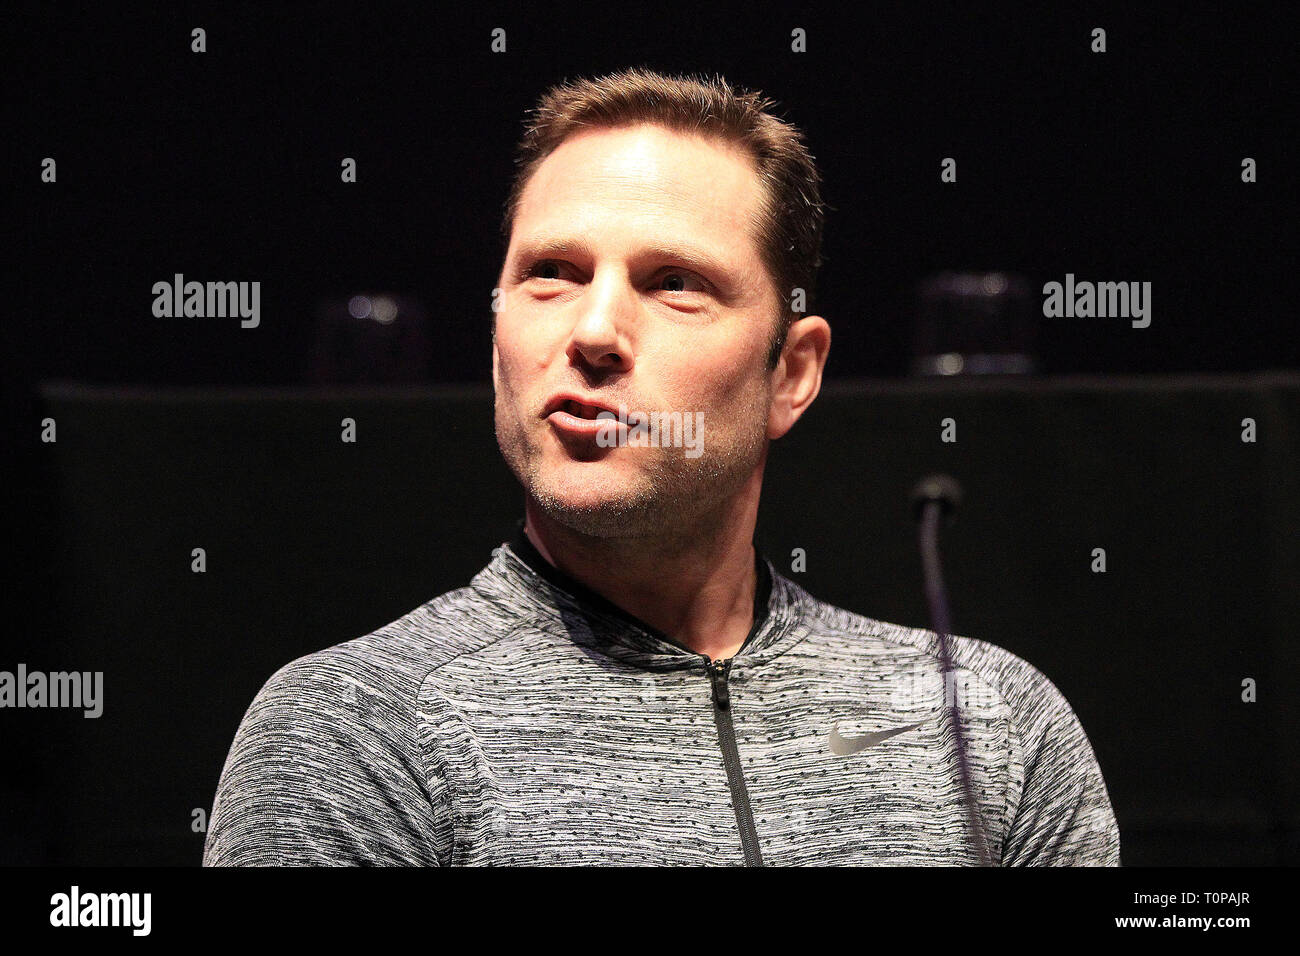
(524, 719)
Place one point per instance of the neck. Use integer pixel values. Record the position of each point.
(697, 587)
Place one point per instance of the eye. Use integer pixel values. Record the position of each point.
(679, 280)
(542, 269)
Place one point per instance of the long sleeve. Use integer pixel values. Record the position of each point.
(1064, 816)
(323, 771)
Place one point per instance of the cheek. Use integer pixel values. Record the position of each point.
(513, 367)
(717, 378)
(526, 345)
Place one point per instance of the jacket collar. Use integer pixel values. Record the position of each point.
(595, 621)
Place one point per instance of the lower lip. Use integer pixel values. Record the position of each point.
(573, 425)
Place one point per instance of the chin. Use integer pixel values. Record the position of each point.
(596, 489)
(597, 503)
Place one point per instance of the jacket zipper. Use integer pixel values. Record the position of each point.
(718, 671)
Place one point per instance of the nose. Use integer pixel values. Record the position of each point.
(600, 335)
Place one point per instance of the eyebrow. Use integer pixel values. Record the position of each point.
(546, 245)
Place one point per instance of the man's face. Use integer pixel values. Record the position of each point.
(633, 278)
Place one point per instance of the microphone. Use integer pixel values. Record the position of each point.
(935, 497)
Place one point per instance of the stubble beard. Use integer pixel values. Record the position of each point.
(665, 496)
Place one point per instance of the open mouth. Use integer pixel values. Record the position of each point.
(580, 410)
(574, 407)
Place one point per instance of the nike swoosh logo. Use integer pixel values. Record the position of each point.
(842, 746)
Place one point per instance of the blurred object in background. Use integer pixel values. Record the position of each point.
(370, 338)
(976, 323)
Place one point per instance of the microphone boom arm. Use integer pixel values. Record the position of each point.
(934, 496)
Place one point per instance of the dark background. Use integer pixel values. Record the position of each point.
(1117, 166)
(225, 166)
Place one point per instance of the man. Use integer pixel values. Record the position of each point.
(627, 681)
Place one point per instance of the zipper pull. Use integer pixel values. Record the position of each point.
(718, 674)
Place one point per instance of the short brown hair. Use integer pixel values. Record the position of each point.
(789, 227)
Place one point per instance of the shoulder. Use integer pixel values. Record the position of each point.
(984, 668)
(1059, 809)
(390, 664)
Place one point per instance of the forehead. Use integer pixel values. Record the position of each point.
(644, 173)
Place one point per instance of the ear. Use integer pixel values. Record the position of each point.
(797, 378)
